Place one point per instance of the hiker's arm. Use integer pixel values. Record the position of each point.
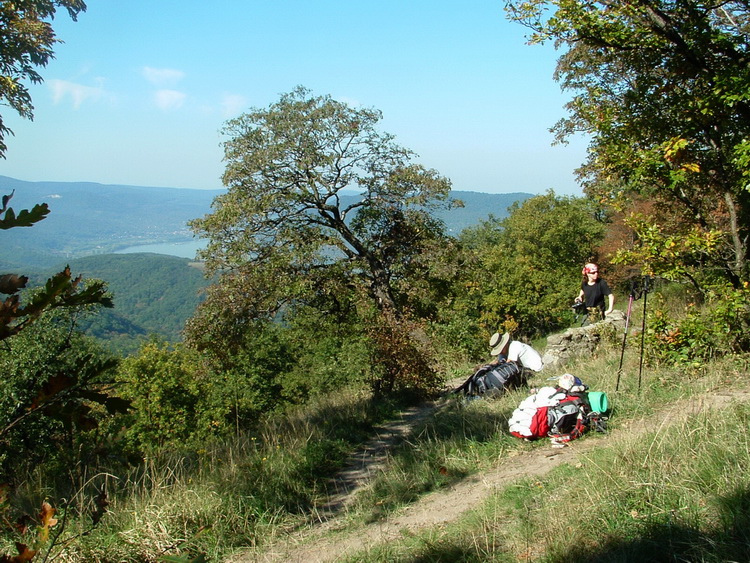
(611, 303)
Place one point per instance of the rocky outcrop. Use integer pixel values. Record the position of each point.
(581, 341)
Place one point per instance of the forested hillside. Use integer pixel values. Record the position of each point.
(152, 294)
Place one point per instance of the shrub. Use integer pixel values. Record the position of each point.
(701, 332)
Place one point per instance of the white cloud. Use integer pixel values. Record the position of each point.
(351, 102)
(78, 93)
(232, 105)
(163, 77)
(169, 99)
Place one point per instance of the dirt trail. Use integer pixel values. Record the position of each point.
(329, 541)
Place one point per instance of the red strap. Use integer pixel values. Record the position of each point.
(539, 425)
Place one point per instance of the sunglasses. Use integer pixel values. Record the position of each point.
(593, 272)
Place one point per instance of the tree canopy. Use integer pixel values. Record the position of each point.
(528, 265)
(322, 209)
(663, 90)
(26, 42)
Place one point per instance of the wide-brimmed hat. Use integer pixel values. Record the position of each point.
(498, 342)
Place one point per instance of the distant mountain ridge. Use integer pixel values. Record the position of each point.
(153, 293)
(88, 218)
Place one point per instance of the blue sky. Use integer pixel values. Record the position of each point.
(138, 92)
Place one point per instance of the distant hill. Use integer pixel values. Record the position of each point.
(88, 218)
(152, 294)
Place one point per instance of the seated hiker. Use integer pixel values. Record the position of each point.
(508, 350)
(507, 370)
(595, 294)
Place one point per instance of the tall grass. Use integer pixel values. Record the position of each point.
(673, 492)
(683, 486)
(228, 496)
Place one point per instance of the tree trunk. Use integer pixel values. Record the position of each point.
(737, 268)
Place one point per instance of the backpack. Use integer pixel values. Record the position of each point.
(568, 419)
(554, 412)
(491, 379)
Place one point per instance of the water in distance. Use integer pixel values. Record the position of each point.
(180, 249)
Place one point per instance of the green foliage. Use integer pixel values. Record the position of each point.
(718, 327)
(169, 389)
(61, 291)
(324, 351)
(284, 233)
(668, 255)
(183, 400)
(256, 380)
(54, 391)
(661, 88)
(400, 360)
(278, 364)
(152, 294)
(527, 269)
(27, 41)
(232, 494)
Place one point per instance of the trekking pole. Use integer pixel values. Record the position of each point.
(625, 335)
(643, 328)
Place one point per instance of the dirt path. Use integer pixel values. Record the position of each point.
(330, 541)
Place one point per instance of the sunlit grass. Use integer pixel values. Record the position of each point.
(686, 482)
(673, 492)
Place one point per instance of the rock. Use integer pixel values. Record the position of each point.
(580, 341)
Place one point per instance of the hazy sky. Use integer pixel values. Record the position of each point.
(140, 88)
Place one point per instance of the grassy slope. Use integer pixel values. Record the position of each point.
(663, 485)
(646, 493)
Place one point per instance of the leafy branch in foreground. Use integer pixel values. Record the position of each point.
(50, 377)
(27, 41)
(61, 290)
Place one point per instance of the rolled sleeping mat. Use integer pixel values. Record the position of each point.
(598, 401)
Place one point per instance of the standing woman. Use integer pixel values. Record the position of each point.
(594, 290)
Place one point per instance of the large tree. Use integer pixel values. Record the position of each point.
(322, 209)
(26, 42)
(663, 89)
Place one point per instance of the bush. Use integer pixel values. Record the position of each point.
(701, 332)
(52, 390)
(169, 389)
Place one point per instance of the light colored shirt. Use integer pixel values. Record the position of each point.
(525, 355)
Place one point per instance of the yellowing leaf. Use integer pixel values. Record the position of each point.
(691, 167)
(47, 515)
